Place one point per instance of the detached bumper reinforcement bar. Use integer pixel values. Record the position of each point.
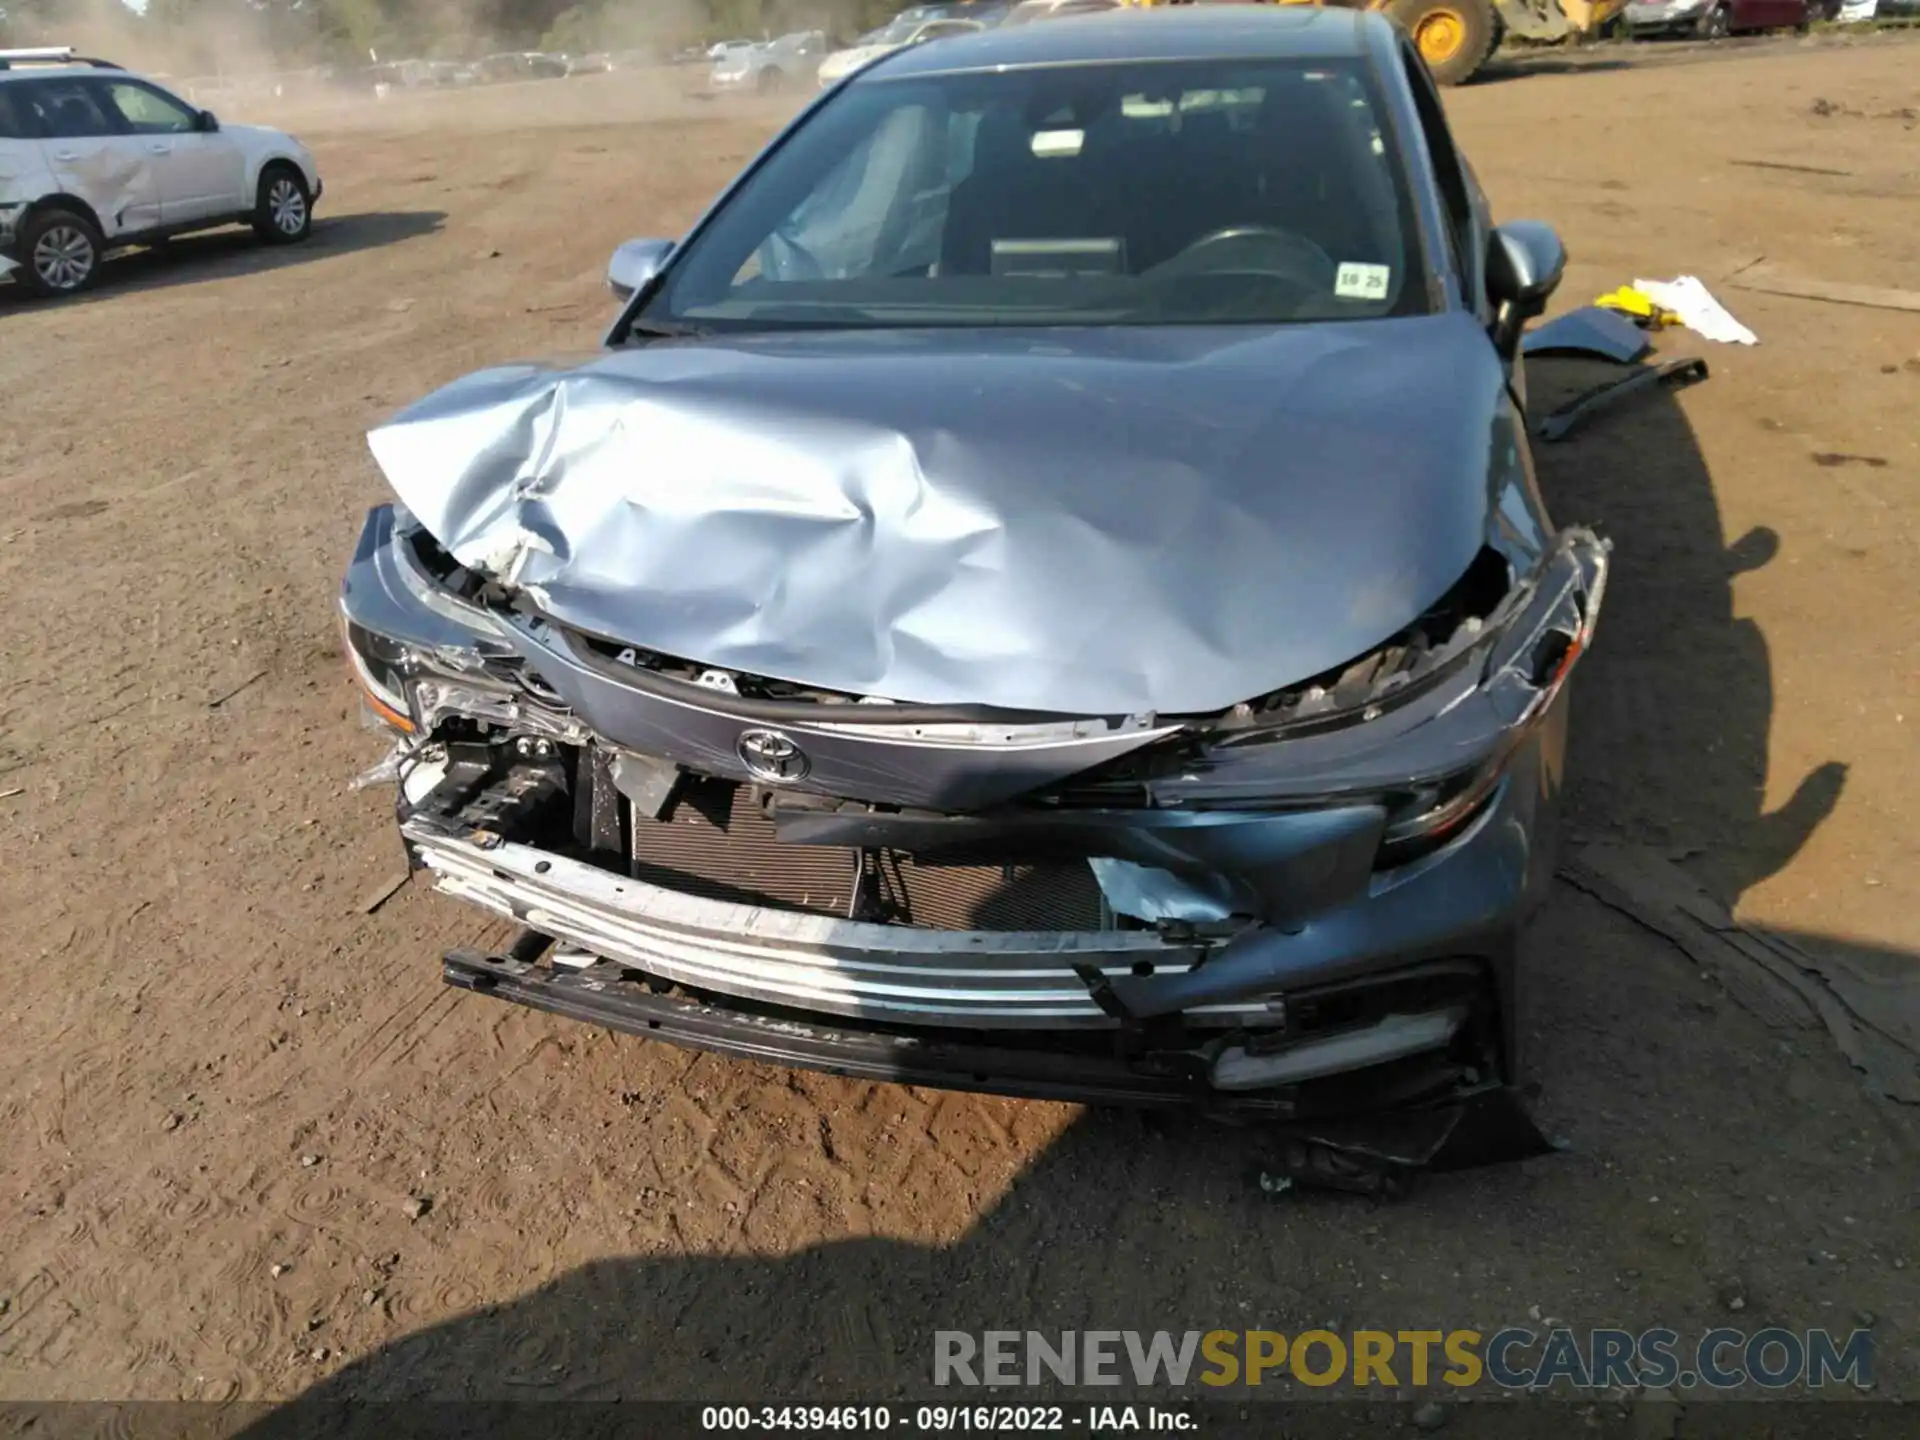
(1364, 1152)
(599, 996)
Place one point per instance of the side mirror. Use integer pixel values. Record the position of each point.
(206, 122)
(1525, 261)
(635, 264)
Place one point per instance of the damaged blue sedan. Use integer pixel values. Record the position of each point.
(1043, 591)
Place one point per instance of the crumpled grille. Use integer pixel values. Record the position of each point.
(716, 842)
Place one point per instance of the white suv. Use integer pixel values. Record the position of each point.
(92, 158)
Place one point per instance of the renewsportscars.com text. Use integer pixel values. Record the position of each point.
(1514, 1358)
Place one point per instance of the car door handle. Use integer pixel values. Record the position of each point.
(160, 147)
(66, 154)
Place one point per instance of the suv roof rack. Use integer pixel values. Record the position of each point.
(52, 55)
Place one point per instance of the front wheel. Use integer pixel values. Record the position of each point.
(1454, 37)
(1714, 25)
(59, 252)
(283, 209)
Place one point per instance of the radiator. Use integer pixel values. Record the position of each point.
(717, 842)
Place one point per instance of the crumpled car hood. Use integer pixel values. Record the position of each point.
(1079, 521)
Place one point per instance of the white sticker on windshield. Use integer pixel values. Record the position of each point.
(1355, 281)
(1048, 143)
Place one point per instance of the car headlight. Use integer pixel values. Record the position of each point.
(1425, 724)
(1436, 812)
(413, 689)
(1489, 623)
(379, 666)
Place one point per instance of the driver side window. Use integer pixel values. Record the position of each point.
(148, 112)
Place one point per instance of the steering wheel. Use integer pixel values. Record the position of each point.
(1282, 254)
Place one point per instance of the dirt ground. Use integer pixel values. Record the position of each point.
(222, 1080)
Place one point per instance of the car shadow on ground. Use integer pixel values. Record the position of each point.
(220, 254)
(1673, 710)
(1147, 1222)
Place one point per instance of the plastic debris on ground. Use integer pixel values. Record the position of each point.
(386, 771)
(1697, 309)
(1638, 307)
(1590, 330)
(1569, 417)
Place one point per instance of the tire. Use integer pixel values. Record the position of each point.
(1454, 37)
(1714, 25)
(59, 252)
(283, 208)
(772, 81)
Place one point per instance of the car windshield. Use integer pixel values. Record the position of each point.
(1153, 193)
(895, 32)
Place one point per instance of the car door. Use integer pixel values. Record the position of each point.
(23, 174)
(200, 173)
(90, 153)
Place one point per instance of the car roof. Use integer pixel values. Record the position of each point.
(1227, 32)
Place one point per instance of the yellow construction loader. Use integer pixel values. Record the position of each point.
(1455, 37)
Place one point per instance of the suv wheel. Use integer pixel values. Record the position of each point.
(283, 210)
(59, 252)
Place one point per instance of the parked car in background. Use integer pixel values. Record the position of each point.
(598, 62)
(1045, 591)
(908, 28)
(521, 65)
(93, 157)
(1029, 11)
(1713, 19)
(771, 67)
(421, 74)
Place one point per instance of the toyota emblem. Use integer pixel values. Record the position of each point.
(769, 755)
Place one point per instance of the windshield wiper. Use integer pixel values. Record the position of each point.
(667, 329)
